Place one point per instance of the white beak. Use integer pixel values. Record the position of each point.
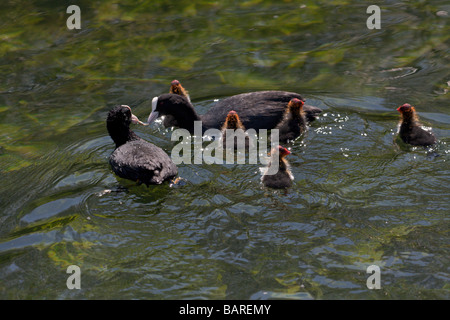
(152, 117)
(154, 114)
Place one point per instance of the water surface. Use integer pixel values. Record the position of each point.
(359, 197)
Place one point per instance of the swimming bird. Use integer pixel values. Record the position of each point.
(134, 158)
(177, 88)
(234, 126)
(294, 121)
(257, 110)
(283, 177)
(410, 129)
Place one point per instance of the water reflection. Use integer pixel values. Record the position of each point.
(358, 198)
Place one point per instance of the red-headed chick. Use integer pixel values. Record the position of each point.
(281, 178)
(410, 129)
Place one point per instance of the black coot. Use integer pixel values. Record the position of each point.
(410, 130)
(257, 110)
(283, 177)
(134, 158)
(294, 121)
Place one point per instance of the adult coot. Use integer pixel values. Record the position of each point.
(257, 110)
(283, 177)
(410, 129)
(294, 121)
(134, 158)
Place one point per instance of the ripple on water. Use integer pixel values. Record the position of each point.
(354, 198)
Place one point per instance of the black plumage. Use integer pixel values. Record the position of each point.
(134, 158)
(257, 110)
(410, 129)
(293, 123)
(283, 177)
(175, 88)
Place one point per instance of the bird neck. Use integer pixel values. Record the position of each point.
(295, 114)
(186, 119)
(122, 135)
(409, 119)
(299, 115)
(283, 164)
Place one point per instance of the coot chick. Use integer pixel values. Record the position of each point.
(410, 130)
(257, 110)
(232, 122)
(134, 158)
(177, 88)
(283, 178)
(294, 121)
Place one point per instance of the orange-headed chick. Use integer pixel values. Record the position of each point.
(293, 123)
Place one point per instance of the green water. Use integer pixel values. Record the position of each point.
(359, 198)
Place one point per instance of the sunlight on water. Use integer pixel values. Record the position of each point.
(360, 196)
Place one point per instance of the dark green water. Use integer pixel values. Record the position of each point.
(359, 198)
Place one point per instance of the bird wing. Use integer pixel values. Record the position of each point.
(257, 110)
(421, 137)
(143, 161)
